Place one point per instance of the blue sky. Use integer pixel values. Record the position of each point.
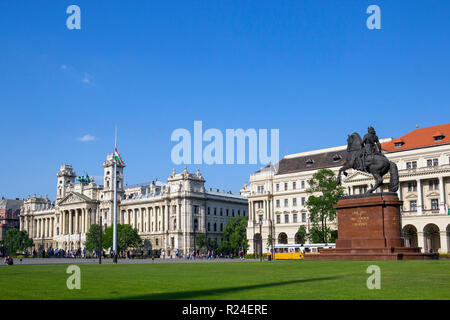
(309, 68)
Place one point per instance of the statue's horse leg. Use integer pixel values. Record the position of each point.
(342, 170)
(378, 182)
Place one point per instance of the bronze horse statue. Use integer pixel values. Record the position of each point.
(376, 164)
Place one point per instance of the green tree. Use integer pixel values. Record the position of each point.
(16, 240)
(211, 244)
(302, 234)
(324, 192)
(127, 237)
(92, 237)
(235, 232)
(315, 235)
(201, 242)
(269, 241)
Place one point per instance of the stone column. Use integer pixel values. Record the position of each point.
(421, 240)
(70, 222)
(179, 217)
(78, 221)
(136, 212)
(149, 219)
(88, 219)
(164, 220)
(62, 221)
(442, 199)
(156, 218)
(82, 220)
(419, 197)
(444, 241)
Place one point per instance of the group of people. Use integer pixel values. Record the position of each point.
(8, 261)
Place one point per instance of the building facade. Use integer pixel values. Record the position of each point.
(169, 214)
(9, 215)
(277, 193)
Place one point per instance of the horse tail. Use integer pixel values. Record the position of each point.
(394, 182)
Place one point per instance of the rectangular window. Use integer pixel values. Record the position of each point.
(260, 218)
(435, 162)
(303, 217)
(295, 218)
(286, 218)
(303, 201)
(411, 165)
(429, 163)
(434, 204)
(412, 186)
(413, 205)
(303, 184)
(433, 184)
(239, 212)
(278, 219)
(278, 187)
(294, 185)
(227, 212)
(243, 213)
(278, 203)
(221, 212)
(285, 186)
(215, 211)
(294, 202)
(286, 202)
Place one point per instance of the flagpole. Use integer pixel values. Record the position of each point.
(115, 201)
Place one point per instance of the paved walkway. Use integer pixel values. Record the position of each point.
(44, 261)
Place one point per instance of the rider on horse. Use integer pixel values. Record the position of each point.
(370, 146)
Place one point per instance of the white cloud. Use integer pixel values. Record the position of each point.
(86, 138)
(85, 78)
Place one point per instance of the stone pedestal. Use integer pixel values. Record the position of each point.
(369, 228)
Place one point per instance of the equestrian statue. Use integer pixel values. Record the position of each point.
(366, 155)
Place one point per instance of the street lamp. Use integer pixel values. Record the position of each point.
(261, 241)
(195, 228)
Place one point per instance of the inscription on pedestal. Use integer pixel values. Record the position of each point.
(358, 219)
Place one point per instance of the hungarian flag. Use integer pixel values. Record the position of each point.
(118, 158)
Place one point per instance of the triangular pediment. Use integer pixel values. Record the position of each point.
(357, 176)
(411, 196)
(74, 197)
(433, 194)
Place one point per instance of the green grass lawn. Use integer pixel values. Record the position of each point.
(247, 280)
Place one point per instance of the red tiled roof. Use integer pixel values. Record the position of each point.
(419, 138)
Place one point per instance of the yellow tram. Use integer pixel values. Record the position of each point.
(296, 251)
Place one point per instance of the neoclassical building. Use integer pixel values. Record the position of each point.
(168, 214)
(277, 193)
